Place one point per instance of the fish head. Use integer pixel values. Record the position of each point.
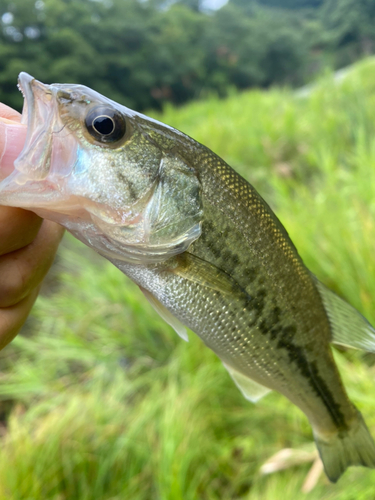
(111, 176)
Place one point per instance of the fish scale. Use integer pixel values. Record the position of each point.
(235, 321)
(204, 247)
(260, 224)
(223, 325)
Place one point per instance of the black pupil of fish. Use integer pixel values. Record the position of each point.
(103, 125)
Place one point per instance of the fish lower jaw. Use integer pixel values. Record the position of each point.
(41, 197)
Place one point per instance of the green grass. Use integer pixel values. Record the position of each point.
(100, 400)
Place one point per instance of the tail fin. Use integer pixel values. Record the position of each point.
(353, 446)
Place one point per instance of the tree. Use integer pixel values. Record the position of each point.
(145, 52)
(351, 28)
(291, 4)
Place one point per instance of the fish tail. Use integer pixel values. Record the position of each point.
(353, 446)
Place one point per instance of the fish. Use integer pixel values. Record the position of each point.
(206, 250)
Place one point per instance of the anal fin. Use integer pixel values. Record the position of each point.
(166, 315)
(251, 390)
(349, 327)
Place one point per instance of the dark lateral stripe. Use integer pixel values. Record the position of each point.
(317, 384)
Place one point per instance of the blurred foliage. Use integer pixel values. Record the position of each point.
(101, 400)
(147, 52)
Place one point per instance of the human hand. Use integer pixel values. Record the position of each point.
(27, 243)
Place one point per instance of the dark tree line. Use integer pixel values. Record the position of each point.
(146, 52)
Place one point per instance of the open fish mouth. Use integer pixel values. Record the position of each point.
(33, 183)
(37, 114)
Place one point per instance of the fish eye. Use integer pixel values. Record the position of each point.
(105, 124)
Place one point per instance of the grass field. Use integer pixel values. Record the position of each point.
(100, 400)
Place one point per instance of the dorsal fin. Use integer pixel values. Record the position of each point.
(251, 390)
(349, 327)
(166, 315)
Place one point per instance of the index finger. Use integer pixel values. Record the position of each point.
(12, 138)
(9, 113)
(18, 228)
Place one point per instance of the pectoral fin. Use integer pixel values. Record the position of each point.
(166, 315)
(251, 390)
(349, 327)
(204, 273)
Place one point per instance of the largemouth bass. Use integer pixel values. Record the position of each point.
(204, 247)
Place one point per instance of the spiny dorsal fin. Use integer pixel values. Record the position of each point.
(349, 327)
(251, 390)
(166, 315)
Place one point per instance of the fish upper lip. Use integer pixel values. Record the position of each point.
(36, 112)
(24, 81)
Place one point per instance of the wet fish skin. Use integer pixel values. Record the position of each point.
(195, 235)
(273, 327)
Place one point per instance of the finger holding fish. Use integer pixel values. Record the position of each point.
(18, 228)
(12, 318)
(23, 270)
(27, 243)
(12, 138)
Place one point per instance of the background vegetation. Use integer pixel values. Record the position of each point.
(100, 400)
(144, 53)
